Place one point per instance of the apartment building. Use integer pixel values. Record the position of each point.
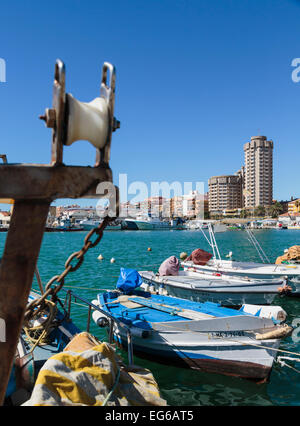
(190, 205)
(176, 206)
(294, 206)
(258, 172)
(225, 193)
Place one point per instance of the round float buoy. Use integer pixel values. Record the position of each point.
(149, 249)
(112, 260)
(183, 255)
(100, 257)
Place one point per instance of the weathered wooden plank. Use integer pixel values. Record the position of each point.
(45, 182)
(16, 274)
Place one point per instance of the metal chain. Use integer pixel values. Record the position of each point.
(60, 279)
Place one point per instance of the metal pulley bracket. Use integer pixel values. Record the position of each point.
(73, 120)
(107, 91)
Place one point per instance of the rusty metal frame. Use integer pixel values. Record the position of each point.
(107, 90)
(59, 106)
(33, 187)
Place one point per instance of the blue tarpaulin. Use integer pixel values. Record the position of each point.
(128, 280)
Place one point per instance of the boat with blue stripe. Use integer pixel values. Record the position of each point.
(203, 336)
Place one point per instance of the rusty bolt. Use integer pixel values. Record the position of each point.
(49, 117)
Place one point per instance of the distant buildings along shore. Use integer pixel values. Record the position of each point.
(250, 187)
(236, 195)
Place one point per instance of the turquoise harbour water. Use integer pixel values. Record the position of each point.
(180, 387)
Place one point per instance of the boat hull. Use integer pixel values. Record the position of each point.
(214, 339)
(212, 356)
(89, 224)
(251, 271)
(145, 226)
(214, 290)
(62, 229)
(107, 228)
(88, 227)
(129, 225)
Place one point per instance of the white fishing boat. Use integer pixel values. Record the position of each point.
(213, 287)
(197, 224)
(89, 224)
(63, 224)
(205, 337)
(253, 270)
(146, 223)
(129, 224)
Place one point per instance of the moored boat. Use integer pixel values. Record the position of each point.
(89, 224)
(251, 270)
(205, 337)
(64, 224)
(213, 263)
(151, 223)
(63, 229)
(129, 224)
(147, 223)
(224, 289)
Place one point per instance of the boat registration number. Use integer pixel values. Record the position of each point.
(226, 334)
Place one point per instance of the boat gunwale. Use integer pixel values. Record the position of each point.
(216, 289)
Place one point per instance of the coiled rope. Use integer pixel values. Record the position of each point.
(38, 334)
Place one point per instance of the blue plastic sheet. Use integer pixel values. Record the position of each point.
(128, 280)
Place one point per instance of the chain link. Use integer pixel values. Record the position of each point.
(60, 279)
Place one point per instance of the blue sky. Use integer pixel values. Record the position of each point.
(195, 80)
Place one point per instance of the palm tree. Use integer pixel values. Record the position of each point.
(244, 213)
(275, 209)
(259, 211)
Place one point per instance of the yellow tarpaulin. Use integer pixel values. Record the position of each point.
(93, 375)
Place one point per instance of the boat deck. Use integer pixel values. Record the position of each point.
(143, 308)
